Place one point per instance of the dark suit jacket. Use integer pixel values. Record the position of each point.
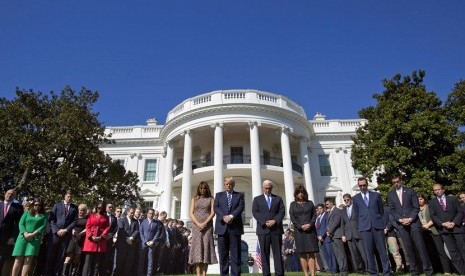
(221, 209)
(452, 213)
(408, 209)
(334, 223)
(125, 230)
(262, 213)
(113, 224)
(371, 216)
(387, 218)
(58, 219)
(9, 224)
(150, 233)
(322, 227)
(350, 224)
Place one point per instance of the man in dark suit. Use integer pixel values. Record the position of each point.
(268, 210)
(150, 235)
(335, 232)
(351, 235)
(447, 217)
(109, 255)
(462, 198)
(229, 227)
(370, 209)
(324, 242)
(10, 214)
(403, 204)
(392, 240)
(127, 237)
(62, 219)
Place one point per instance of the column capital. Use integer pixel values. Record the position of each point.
(343, 149)
(186, 132)
(286, 129)
(165, 147)
(252, 124)
(218, 124)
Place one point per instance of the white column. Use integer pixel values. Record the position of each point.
(168, 179)
(218, 159)
(343, 170)
(186, 176)
(287, 167)
(305, 157)
(255, 159)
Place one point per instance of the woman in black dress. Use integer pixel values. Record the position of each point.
(303, 216)
(73, 264)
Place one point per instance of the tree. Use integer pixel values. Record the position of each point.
(49, 143)
(455, 112)
(408, 132)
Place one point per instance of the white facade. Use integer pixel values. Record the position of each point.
(248, 134)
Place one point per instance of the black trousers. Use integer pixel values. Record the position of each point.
(229, 246)
(275, 242)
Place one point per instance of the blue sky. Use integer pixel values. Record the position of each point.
(145, 57)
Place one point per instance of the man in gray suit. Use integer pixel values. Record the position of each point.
(335, 232)
(352, 235)
(268, 210)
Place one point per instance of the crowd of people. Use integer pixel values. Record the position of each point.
(362, 235)
(72, 239)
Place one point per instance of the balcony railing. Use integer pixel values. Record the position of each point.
(238, 159)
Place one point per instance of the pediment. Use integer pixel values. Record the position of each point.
(149, 192)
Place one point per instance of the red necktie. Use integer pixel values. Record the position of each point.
(66, 209)
(5, 209)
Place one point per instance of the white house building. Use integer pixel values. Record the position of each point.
(247, 134)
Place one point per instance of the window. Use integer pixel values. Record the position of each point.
(150, 172)
(237, 155)
(325, 166)
(177, 209)
(146, 205)
(266, 157)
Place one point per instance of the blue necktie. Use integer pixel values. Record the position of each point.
(229, 201)
(365, 198)
(268, 200)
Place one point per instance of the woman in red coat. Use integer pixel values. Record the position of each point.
(95, 243)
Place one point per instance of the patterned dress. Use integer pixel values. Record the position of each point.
(303, 213)
(202, 247)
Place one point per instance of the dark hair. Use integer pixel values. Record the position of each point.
(361, 179)
(320, 205)
(204, 184)
(300, 189)
(424, 197)
(41, 208)
(347, 195)
(102, 210)
(396, 175)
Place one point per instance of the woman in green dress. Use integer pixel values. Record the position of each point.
(31, 228)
